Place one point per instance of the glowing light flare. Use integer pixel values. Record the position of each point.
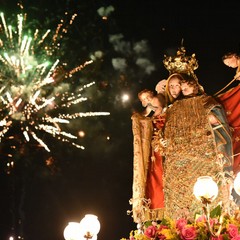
(54, 131)
(7, 58)
(58, 32)
(44, 37)
(72, 101)
(46, 103)
(79, 68)
(40, 141)
(26, 50)
(52, 68)
(3, 132)
(4, 24)
(125, 97)
(10, 32)
(78, 146)
(81, 134)
(23, 45)
(33, 99)
(20, 27)
(56, 120)
(36, 34)
(26, 136)
(83, 114)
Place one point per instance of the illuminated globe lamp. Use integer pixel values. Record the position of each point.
(90, 226)
(236, 184)
(205, 189)
(72, 231)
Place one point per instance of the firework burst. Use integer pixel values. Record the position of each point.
(35, 93)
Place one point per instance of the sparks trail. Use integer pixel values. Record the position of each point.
(35, 92)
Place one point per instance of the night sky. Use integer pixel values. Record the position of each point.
(99, 179)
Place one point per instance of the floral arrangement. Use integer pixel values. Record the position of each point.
(217, 227)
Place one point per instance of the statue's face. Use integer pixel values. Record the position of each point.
(145, 99)
(187, 89)
(174, 87)
(231, 61)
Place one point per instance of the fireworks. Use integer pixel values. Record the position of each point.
(35, 93)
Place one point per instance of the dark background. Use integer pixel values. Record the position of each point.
(37, 201)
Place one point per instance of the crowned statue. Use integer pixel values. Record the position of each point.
(188, 138)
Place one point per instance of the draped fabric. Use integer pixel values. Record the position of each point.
(194, 149)
(154, 186)
(231, 103)
(147, 199)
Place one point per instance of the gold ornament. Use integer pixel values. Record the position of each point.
(181, 63)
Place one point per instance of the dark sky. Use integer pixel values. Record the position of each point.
(99, 179)
(208, 28)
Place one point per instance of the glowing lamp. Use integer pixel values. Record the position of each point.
(205, 188)
(90, 226)
(72, 231)
(236, 184)
(125, 97)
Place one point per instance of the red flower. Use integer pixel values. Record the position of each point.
(150, 231)
(180, 223)
(236, 237)
(232, 231)
(188, 233)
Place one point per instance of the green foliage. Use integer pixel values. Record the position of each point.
(216, 212)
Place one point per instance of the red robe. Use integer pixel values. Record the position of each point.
(154, 186)
(231, 103)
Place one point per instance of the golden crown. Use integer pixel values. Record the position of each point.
(181, 63)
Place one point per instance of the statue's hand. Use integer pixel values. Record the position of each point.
(212, 119)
